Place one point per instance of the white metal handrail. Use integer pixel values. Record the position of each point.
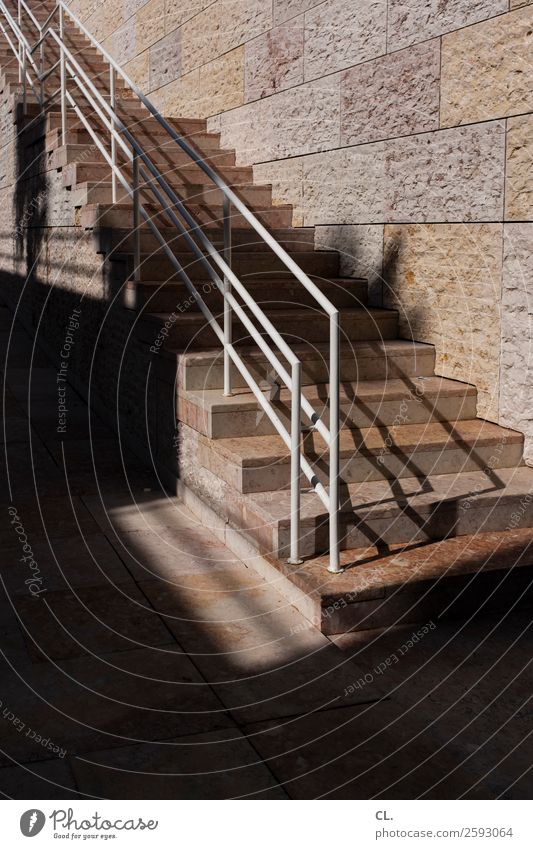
(119, 137)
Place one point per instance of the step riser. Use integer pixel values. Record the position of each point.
(298, 240)
(67, 154)
(275, 218)
(264, 264)
(211, 198)
(255, 423)
(361, 468)
(237, 177)
(186, 126)
(280, 296)
(211, 376)
(201, 336)
(162, 147)
(453, 520)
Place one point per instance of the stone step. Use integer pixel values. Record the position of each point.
(245, 264)
(262, 463)
(363, 404)
(385, 513)
(121, 215)
(134, 119)
(83, 172)
(454, 577)
(191, 329)
(210, 196)
(162, 149)
(360, 360)
(276, 293)
(65, 154)
(292, 239)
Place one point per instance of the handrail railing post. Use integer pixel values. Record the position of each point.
(63, 78)
(296, 439)
(228, 335)
(113, 104)
(136, 220)
(334, 446)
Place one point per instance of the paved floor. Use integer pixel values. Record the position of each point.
(140, 659)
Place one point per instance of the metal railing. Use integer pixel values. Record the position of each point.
(112, 137)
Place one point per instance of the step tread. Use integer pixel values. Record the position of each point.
(373, 574)
(191, 186)
(388, 499)
(255, 451)
(360, 348)
(365, 390)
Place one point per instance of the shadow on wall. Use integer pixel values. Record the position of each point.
(30, 200)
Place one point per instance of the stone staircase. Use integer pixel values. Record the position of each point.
(428, 491)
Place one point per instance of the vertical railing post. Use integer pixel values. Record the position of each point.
(21, 48)
(228, 336)
(41, 72)
(113, 104)
(334, 446)
(24, 84)
(63, 78)
(136, 220)
(296, 439)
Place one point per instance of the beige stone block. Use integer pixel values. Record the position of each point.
(285, 9)
(410, 21)
(165, 60)
(392, 95)
(221, 27)
(449, 175)
(516, 407)
(342, 33)
(105, 19)
(179, 11)
(181, 98)
(345, 185)
(131, 7)
(138, 70)
(290, 123)
(274, 60)
(123, 42)
(222, 84)
(487, 70)
(519, 168)
(200, 39)
(446, 282)
(242, 20)
(517, 4)
(150, 24)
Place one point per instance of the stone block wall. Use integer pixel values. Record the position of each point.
(401, 129)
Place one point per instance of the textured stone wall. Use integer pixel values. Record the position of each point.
(401, 129)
